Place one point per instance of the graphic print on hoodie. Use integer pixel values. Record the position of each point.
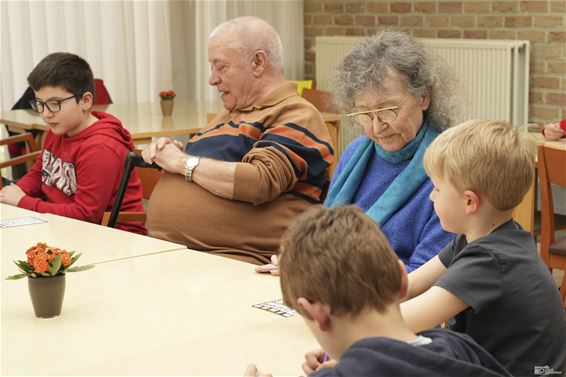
(56, 172)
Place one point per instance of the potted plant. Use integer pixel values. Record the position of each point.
(45, 269)
(167, 97)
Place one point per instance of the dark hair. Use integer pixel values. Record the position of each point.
(65, 70)
(340, 257)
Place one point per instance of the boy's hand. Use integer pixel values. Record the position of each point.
(314, 360)
(272, 268)
(251, 371)
(11, 195)
(553, 132)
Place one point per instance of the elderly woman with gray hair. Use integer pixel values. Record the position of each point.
(402, 98)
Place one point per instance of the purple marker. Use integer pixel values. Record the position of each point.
(325, 357)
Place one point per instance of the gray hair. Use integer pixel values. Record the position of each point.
(249, 34)
(366, 68)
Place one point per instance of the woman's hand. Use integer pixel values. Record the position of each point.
(272, 268)
(11, 195)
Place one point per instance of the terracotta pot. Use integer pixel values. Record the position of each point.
(167, 107)
(47, 295)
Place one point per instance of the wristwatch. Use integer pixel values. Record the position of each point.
(190, 164)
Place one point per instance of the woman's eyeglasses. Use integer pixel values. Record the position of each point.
(384, 115)
(53, 105)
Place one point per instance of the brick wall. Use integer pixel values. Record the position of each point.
(542, 22)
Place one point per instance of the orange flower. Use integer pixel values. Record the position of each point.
(40, 265)
(40, 260)
(52, 256)
(41, 255)
(66, 259)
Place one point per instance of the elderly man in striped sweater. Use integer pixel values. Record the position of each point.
(236, 185)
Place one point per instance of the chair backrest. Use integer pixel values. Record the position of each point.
(148, 178)
(322, 100)
(133, 160)
(31, 154)
(552, 170)
(101, 97)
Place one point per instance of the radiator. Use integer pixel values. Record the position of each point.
(495, 74)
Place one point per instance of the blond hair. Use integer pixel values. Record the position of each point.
(340, 257)
(491, 158)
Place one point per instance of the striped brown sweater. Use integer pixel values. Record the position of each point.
(284, 150)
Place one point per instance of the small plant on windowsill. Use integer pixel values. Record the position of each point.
(167, 95)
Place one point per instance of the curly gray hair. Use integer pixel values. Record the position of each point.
(366, 68)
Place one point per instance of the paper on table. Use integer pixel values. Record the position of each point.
(20, 221)
(277, 307)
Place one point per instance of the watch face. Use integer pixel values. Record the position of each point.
(192, 162)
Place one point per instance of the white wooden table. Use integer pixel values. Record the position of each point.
(176, 313)
(96, 243)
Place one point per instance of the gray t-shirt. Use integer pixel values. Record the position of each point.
(515, 311)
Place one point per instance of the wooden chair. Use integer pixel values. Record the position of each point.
(322, 100)
(148, 174)
(552, 170)
(32, 152)
(18, 149)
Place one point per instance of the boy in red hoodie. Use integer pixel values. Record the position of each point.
(81, 163)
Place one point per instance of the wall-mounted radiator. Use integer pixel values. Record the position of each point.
(495, 74)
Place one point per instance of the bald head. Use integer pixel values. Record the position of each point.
(248, 35)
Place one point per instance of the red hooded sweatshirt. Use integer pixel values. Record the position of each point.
(78, 176)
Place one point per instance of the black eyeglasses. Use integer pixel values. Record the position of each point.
(53, 105)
